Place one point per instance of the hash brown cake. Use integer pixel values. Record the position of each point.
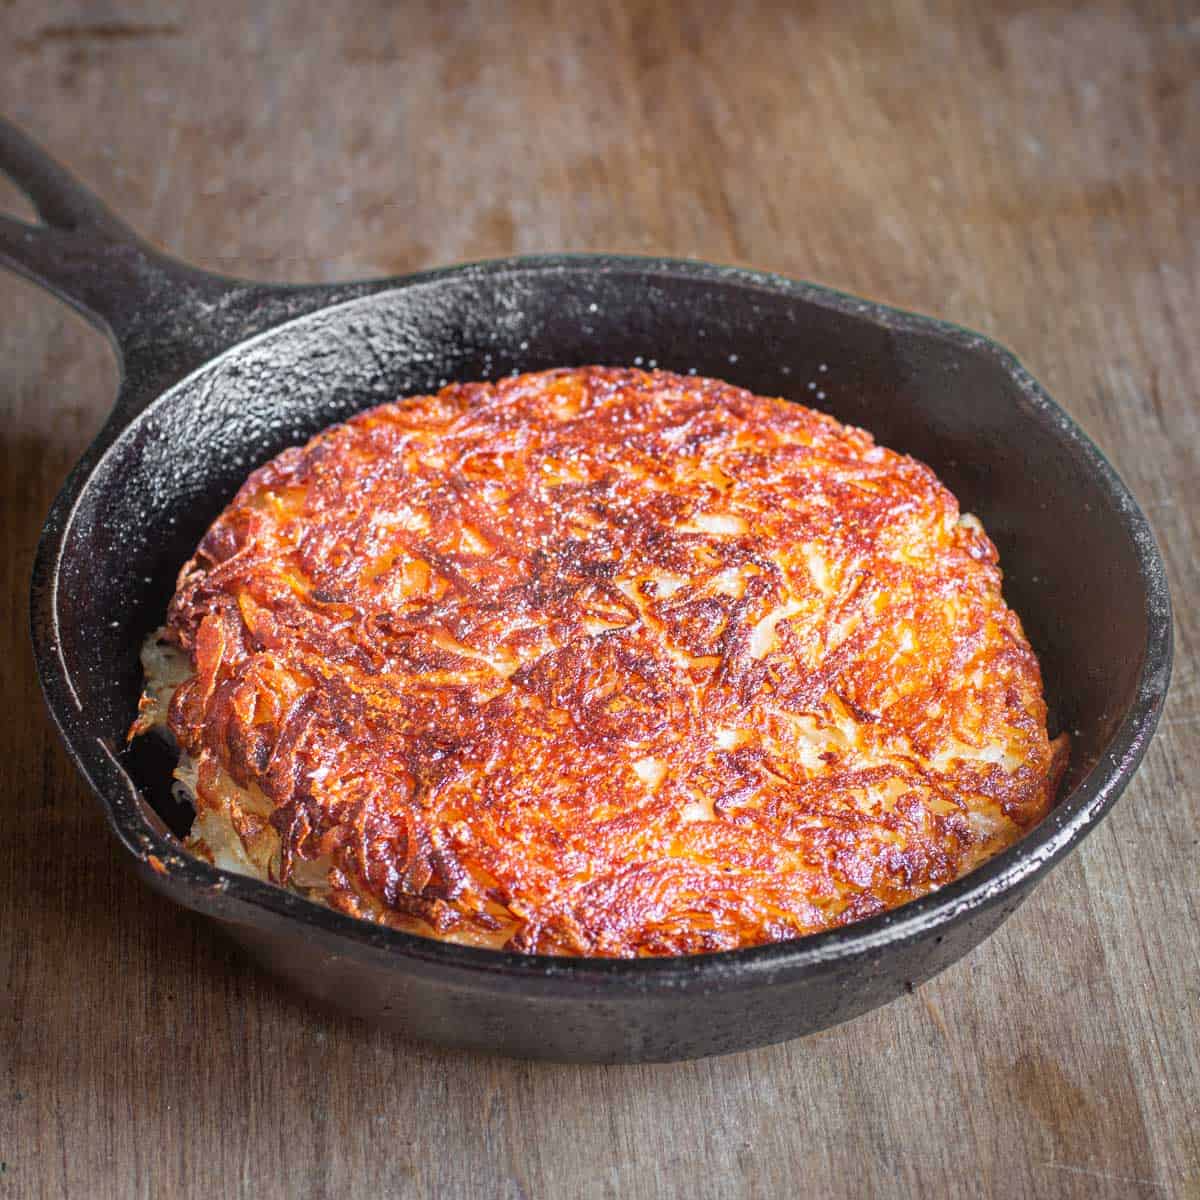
(600, 662)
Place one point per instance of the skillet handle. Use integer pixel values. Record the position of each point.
(88, 257)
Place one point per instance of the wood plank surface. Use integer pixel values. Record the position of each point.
(1029, 170)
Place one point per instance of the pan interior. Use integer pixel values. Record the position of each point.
(1072, 569)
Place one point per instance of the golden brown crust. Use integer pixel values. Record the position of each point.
(609, 662)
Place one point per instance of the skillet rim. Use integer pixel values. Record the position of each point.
(216, 892)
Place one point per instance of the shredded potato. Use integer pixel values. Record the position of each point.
(600, 662)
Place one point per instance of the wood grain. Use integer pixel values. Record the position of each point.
(1030, 171)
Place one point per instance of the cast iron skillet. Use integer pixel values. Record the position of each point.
(219, 374)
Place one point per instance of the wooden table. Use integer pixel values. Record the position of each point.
(1033, 171)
